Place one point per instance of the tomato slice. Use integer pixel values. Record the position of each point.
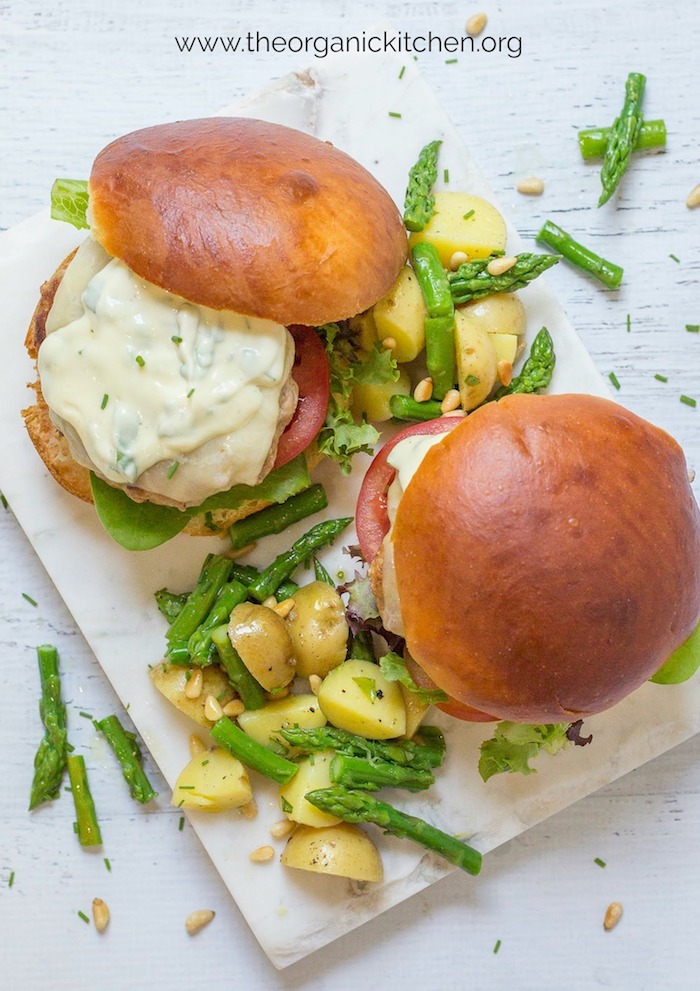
(371, 517)
(312, 376)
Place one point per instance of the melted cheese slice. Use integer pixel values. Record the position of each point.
(156, 392)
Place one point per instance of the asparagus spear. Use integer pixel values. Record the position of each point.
(128, 754)
(282, 567)
(406, 408)
(371, 775)
(440, 322)
(623, 137)
(248, 689)
(407, 753)
(252, 754)
(594, 141)
(321, 574)
(87, 826)
(473, 281)
(358, 806)
(559, 240)
(420, 202)
(246, 574)
(536, 371)
(200, 643)
(50, 760)
(170, 603)
(276, 518)
(213, 576)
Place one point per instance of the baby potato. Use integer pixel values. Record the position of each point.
(318, 629)
(372, 401)
(171, 681)
(401, 315)
(295, 710)
(453, 227)
(213, 781)
(357, 697)
(262, 641)
(502, 313)
(344, 850)
(313, 772)
(365, 329)
(476, 360)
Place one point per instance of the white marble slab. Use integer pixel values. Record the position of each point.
(109, 591)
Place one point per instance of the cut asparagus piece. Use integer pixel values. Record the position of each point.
(302, 549)
(473, 281)
(420, 202)
(623, 137)
(87, 826)
(275, 519)
(50, 760)
(252, 754)
(537, 370)
(594, 141)
(371, 775)
(127, 752)
(407, 753)
(561, 241)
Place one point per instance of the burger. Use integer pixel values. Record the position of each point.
(174, 349)
(540, 557)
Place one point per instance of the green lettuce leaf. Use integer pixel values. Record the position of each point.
(143, 526)
(683, 662)
(377, 368)
(394, 668)
(514, 745)
(341, 438)
(69, 202)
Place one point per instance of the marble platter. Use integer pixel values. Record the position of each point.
(109, 591)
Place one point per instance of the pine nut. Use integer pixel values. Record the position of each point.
(389, 343)
(198, 920)
(693, 197)
(250, 810)
(457, 413)
(500, 265)
(284, 607)
(691, 475)
(532, 186)
(100, 914)
(424, 390)
(193, 688)
(262, 854)
(475, 24)
(278, 830)
(197, 745)
(505, 372)
(233, 708)
(270, 602)
(457, 259)
(451, 401)
(212, 709)
(315, 683)
(612, 916)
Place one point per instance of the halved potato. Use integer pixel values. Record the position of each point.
(372, 400)
(463, 223)
(476, 360)
(213, 781)
(295, 710)
(502, 313)
(262, 641)
(401, 315)
(358, 698)
(318, 629)
(313, 772)
(171, 681)
(344, 850)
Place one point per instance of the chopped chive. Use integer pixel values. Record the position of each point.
(693, 328)
(689, 401)
(29, 599)
(105, 400)
(140, 360)
(209, 522)
(446, 175)
(450, 61)
(403, 69)
(599, 862)
(181, 803)
(392, 113)
(107, 864)
(629, 323)
(11, 880)
(468, 215)
(176, 340)
(84, 917)
(205, 762)
(173, 468)
(614, 379)
(190, 393)
(661, 378)
(675, 259)
(181, 824)
(186, 787)
(473, 380)
(3, 500)
(497, 946)
(85, 715)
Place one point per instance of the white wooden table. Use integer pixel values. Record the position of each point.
(76, 74)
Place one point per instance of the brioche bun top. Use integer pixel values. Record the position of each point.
(547, 557)
(245, 215)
